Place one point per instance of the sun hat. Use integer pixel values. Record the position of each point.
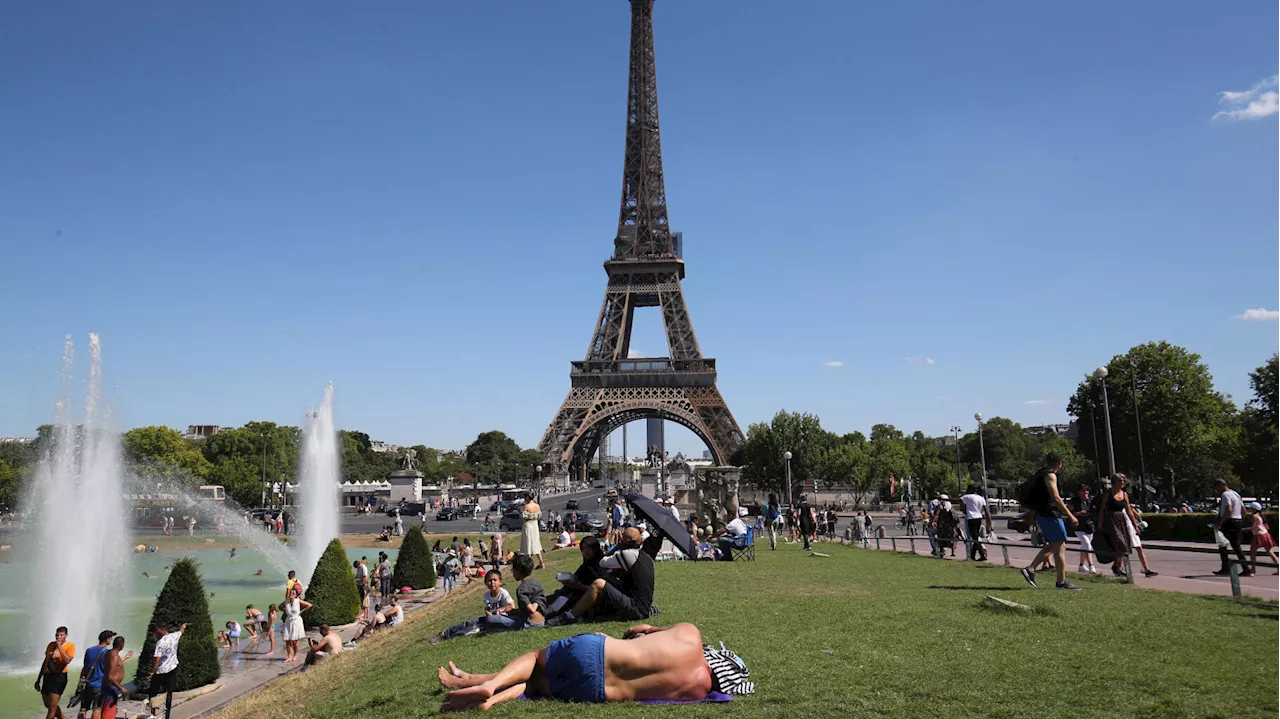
(742, 511)
(1255, 506)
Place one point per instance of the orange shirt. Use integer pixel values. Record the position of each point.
(68, 648)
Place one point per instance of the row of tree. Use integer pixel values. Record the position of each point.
(1190, 435)
(243, 458)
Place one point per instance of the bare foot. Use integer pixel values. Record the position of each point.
(461, 700)
(449, 681)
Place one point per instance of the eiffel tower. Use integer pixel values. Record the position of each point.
(609, 388)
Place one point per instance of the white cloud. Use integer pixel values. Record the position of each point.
(1257, 102)
(833, 363)
(1259, 315)
(914, 361)
(633, 352)
(1036, 401)
(943, 398)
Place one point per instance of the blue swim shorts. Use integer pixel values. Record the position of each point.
(575, 668)
(1052, 529)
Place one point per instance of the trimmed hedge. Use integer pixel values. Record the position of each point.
(1193, 527)
(183, 601)
(334, 596)
(415, 566)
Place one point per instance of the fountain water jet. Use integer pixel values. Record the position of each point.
(318, 478)
(77, 517)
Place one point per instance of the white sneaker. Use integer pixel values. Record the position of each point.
(1093, 570)
(1083, 570)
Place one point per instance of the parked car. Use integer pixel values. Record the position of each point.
(446, 514)
(495, 507)
(469, 510)
(571, 504)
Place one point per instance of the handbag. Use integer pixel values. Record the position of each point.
(1102, 548)
(84, 680)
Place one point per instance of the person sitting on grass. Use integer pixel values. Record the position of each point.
(634, 600)
(328, 645)
(371, 625)
(498, 605)
(647, 664)
(564, 540)
(589, 571)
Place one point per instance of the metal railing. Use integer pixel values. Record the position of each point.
(1234, 564)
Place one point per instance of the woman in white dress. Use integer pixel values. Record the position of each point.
(530, 534)
(293, 631)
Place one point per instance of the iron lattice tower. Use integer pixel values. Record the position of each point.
(608, 388)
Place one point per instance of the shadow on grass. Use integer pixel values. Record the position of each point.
(1272, 617)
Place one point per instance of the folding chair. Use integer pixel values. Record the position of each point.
(746, 552)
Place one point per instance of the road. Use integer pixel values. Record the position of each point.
(373, 523)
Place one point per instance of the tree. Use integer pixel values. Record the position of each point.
(492, 447)
(1265, 382)
(8, 485)
(240, 456)
(414, 565)
(158, 450)
(796, 432)
(184, 601)
(888, 457)
(334, 596)
(1187, 426)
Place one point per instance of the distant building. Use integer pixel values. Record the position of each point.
(377, 445)
(200, 431)
(17, 440)
(1068, 431)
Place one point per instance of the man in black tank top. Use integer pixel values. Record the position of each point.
(1049, 510)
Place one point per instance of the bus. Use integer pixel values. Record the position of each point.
(212, 491)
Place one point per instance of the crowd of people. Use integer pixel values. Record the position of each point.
(101, 682)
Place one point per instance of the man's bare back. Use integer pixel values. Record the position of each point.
(653, 663)
(649, 663)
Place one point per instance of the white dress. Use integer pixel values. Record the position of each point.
(530, 538)
(292, 621)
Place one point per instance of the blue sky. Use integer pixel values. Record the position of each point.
(966, 205)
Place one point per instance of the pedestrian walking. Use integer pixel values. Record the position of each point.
(772, 514)
(1041, 493)
(1260, 536)
(52, 680)
(976, 517)
(1083, 507)
(1122, 526)
(808, 523)
(1230, 514)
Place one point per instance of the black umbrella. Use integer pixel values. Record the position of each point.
(663, 523)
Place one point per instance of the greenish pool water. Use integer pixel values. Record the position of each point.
(231, 583)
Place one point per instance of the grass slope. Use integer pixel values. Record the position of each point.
(906, 635)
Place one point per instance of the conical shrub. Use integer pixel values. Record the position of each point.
(414, 565)
(184, 601)
(333, 594)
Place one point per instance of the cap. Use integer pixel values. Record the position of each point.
(943, 496)
(1255, 506)
(104, 635)
(742, 511)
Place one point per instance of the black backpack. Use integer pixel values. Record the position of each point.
(1032, 493)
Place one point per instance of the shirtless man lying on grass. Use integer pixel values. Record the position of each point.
(647, 663)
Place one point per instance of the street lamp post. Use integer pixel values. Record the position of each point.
(1142, 462)
(955, 430)
(1101, 373)
(982, 455)
(264, 468)
(786, 460)
(538, 478)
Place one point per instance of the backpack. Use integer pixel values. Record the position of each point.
(773, 513)
(1032, 494)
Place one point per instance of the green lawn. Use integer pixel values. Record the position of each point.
(864, 633)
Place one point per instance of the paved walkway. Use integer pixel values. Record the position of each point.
(1182, 566)
(244, 672)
